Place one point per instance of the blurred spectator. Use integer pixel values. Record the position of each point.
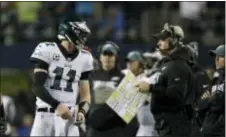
(85, 11)
(192, 10)
(133, 32)
(8, 23)
(111, 27)
(37, 21)
(190, 13)
(210, 38)
(84, 8)
(27, 11)
(45, 25)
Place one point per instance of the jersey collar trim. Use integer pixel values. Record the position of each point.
(67, 55)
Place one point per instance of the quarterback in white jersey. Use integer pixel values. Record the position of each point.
(135, 64)
(61, 76)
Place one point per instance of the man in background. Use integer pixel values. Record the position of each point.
(102, 120)
(214, 100)
(202, 82)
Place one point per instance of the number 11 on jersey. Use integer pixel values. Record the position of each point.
(58, 71)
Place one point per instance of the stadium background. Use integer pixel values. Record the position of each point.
(129, 24)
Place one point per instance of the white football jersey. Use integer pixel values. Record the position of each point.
(63, 73)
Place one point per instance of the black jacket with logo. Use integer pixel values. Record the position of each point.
(202, 83)
(202, 80)
(173, 94)
(214, 121)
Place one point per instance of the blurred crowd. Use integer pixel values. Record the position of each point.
(127, 22)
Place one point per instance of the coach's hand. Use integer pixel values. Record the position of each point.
(143, 87)
(79, 119)
(63, 111)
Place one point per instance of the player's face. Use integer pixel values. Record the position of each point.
(133, 66)
(220, 62)
(108, 60)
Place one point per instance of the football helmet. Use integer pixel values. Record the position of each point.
(74, 32)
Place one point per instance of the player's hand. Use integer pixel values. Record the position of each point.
(63, 111)
(79, 119)
(143, 87)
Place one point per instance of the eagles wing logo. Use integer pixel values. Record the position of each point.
(56, 57)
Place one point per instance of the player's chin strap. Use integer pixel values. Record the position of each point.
(83, 107)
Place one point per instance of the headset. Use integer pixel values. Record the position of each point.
(174, 40)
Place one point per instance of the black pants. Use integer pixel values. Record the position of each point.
(129, 130)
(104, 122)
(116, 132)
(173, 125)
(213, 126)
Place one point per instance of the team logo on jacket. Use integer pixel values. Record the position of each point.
(153, 79)
(56, 57)
(218, 88)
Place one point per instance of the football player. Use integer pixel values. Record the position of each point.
(61, 74)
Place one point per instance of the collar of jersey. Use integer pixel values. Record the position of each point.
(67, 55)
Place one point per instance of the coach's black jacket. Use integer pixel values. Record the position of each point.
(202, 79)
(173, 94)
(201, 85)
(214, 122)
(102, 117)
